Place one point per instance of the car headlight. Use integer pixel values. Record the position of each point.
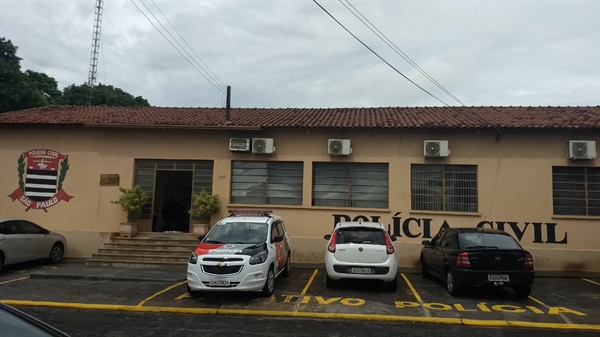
(193, 258)
(260, 257)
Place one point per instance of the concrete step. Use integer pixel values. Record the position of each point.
(160, 235)
(145, 251)
(132, 263)
(148, 245)
(136, 240)
(141, 257)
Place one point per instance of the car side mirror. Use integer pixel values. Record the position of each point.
(327, 237)
(393, 238)
(201, 237)
(278, 239)
(426, 243)
(45, 231)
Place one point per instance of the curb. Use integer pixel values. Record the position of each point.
(102, 278)
(338, 316)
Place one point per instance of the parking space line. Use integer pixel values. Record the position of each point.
(180, 297)
(318, 315)
(568, 321)
(590, 281)
(427, 313)
(161, 292)
(15, 280)
(298, 301)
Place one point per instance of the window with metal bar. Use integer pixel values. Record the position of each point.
(450, 188)
(266, 182)
(362, 185)
(576, 190)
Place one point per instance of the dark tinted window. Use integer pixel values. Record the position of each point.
(30, 228)
(488, 240)
(373, 236)
(11, 227)
(449, 240)
(436, 241)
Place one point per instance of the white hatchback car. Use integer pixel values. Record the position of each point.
(361, 250)
(243, 252)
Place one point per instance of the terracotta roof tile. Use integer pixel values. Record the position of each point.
(384, 117)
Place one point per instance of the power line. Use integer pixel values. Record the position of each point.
(398, 50)
(130, 61)
(381, 58)
(161, 33)
(65, 40)
(216, 78)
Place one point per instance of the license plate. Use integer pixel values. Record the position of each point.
(360, 270)
(498, 278)
(219, 283)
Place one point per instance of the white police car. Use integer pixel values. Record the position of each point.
(243, 252)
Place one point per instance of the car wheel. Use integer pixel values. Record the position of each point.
(269, 287)
(57, 252)
(522, 291)
(331, 283)
(193, 293)
(451, 286)
(1, 262)
(424, 269)
(288, 268)
(393, 286)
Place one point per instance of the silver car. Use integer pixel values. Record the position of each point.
(22, 241)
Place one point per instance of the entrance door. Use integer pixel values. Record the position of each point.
(173, 199)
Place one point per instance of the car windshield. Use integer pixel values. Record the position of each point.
(238, 232)
(488, 241)
(365, 235)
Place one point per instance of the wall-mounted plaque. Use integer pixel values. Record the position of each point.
(109, 180)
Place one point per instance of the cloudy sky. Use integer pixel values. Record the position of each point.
(290, 53)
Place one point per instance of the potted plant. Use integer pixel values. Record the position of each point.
(203, 205)
(131, 201)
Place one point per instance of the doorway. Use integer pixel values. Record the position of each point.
(173, 199)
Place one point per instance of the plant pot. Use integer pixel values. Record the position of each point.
(200, 229)
(128, 229)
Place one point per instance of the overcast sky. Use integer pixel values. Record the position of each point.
(292, 54)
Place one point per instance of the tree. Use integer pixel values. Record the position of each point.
(102, 95)
(12, 87)
(30, 89)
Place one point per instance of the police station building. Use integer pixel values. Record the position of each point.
(531, 171)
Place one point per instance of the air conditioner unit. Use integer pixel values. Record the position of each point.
(582, 149)
(239, 144)
(436, 148)
(263, 145)
(339, 147)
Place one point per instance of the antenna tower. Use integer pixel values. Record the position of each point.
(95, 47)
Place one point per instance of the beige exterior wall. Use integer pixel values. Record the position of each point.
(514, 184)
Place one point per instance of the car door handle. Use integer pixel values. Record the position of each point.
(2, 239)
(27, 238)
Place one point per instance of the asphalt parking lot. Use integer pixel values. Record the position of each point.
(555, 303)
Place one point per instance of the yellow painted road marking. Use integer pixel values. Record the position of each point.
(297, 305)
(567, 320)
(323, 315)
(180, 297)
(15, 280)
(590, 281)
(161, 292)
(410, 286)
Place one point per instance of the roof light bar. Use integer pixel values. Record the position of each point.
(255, 212)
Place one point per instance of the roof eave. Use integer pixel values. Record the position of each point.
(178, 127)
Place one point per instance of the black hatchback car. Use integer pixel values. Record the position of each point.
(478, 257)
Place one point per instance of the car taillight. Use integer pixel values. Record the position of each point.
(462, 260)
(528, 264)
(331, 246)
(389, 247)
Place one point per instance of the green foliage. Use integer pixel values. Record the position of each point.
(64, 167)
(30, 89)
(204, 204)
(132, 200)
(103, 95)
(21, 171)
